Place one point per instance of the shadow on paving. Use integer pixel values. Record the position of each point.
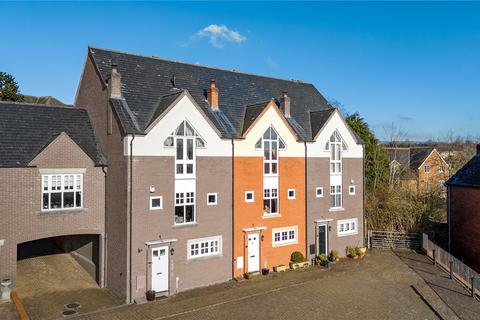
(376, 287)
(450, 291)
(46, 284)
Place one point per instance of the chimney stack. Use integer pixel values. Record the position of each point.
(115, 82)
(213, 95)
(285, 104)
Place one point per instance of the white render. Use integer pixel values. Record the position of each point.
(270, 117)
(336, 122)
(152, 143)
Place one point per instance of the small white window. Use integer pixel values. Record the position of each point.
(284, 236)
(156, 203)
(319, 192)
(204, 247)
(62, 191)
(441, 168)
(211, 199)
(427, 168)
(347, 227)
(291, 193)
(335, 196)
(249, 196)
(351, 190)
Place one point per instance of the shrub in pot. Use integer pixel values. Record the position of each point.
(333, 256)
(150, 295)
(321, 259)
(352, 252)
(297, 257)
(359, 251)
(265, 271)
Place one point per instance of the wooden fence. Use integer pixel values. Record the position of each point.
(395, 240)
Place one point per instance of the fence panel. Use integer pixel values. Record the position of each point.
(396, 240)
(461, 271)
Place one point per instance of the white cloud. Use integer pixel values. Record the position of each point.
(217, 34)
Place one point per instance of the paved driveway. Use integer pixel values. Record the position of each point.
(46, 284)
(376, 287)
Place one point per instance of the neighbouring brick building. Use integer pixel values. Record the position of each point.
(464, 213)
(52, 185)
(421, 168)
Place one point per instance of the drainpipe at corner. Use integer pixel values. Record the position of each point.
(449, 190)
(233, 209)
(130, 244)
(307, 253)
(105, 229)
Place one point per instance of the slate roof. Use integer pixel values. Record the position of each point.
(251, 113)
(318, 119)
(418, 156)
(52, 101)
(26, 129)
(401, 155)
(146, 81)
(468, 176)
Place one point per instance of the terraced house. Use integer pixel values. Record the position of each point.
(215, 173)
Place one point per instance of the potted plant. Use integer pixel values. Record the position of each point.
(150, 295)
(321, 260)
(333, 256)
(297, 260)
(352, 252)
(360, 253)
(265, 271)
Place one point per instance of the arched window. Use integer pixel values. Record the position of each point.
(185, 140)
(336, 145)
(271, 143)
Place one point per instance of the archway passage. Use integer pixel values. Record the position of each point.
(61, 274)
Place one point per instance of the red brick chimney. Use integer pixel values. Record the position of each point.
(213, 95)
(115, 83)
(285, 104)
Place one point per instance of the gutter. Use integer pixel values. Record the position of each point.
(130, 241)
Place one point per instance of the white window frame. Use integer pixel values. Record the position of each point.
(59, 183)
(426, 168)
(441, 168)
(273, 145)
(278, 234)
(351, 190)
(155, 198)
(187, 199)
(215, 194)
(195, 247)
(336, 193)
(270, 195)
(317, 189)
(294, 194)
(336, 148)
(344, 227)
(253, 196)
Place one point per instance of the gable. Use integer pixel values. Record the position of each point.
(61, 152)
(434, 158)
(184, 108)
(335, 123)
(269, 117)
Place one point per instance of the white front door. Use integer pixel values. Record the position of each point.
(160, 269)
(253, 252)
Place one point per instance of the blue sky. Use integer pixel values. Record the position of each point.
(416, 65)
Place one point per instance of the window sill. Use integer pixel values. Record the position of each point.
(336, 209)
(275, 245)
(212, 256)
(271, 216)
(185, 225)
(63, 211)
(347, 234)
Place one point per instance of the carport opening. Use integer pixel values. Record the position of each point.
(84, 249)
